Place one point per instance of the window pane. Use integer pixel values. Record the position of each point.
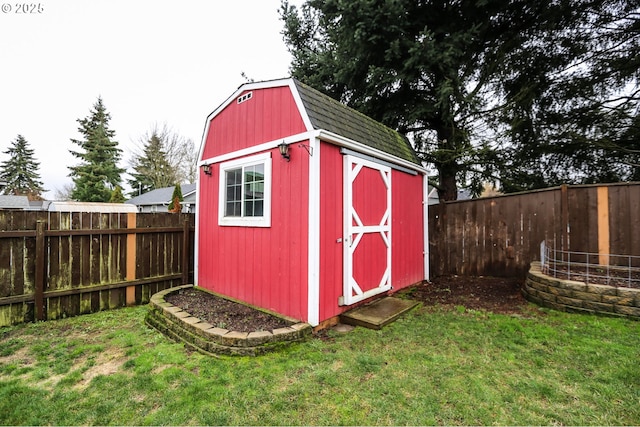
(248, 208)
(233, 203)
(254, 190)
(233, 176)
(254, 173)
(250, 191)
(233, 209)
(231, 194)
(258, 208)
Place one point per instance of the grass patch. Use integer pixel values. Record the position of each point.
(433, 366)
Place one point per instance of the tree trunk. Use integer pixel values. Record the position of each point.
(447, 182)
(447, 167)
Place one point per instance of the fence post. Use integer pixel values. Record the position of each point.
(40, 266)
(185, 251)
(132, 253)
(564, 212)
(603, 224)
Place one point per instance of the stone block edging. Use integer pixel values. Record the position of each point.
(205, 338)
(573, 296)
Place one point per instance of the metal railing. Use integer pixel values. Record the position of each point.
(588, 267)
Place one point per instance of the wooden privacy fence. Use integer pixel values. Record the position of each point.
(501, 236)
(59, 264)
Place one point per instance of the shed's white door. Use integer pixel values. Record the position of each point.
(367, 229)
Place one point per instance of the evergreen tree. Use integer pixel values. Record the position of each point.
(578, 125)
(117, 196)
(98, 173)
(176, 198)
(162, 158)
(20, 171)
(151, 169)
(472, 82)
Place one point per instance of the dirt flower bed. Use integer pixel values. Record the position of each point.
(223, 313)
(495, 294)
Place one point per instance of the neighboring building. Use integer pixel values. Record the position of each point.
(434, 199)
(305, 206)
(158, 200)
(39, 205)
(14, 203)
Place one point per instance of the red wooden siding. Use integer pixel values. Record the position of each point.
(270, 114)
(331, 218)
(406, 234)
(266, 267)
(407, 230)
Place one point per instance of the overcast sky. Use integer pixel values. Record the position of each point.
(152, 61)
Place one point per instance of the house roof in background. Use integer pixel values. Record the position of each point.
(14, 202)
(160, 196)
(39, 205)
(434, 199)
(328, 114)
(189, 198)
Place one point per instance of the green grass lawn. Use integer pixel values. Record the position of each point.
(433, 366)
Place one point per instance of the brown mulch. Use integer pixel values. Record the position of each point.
(223, 313)
(494, 294)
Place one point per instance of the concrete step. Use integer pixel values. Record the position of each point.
(378, 313)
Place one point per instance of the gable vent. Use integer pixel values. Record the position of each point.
(247, 96)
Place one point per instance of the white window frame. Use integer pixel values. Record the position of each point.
(245, 221)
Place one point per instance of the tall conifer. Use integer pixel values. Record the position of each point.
(98, 173)
(151, 169)
(20, 172)
(525, 92)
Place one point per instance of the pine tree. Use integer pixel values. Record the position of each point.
(98, 173)
(472, 82)
(152, 169)
(176, 198)
(20, 172)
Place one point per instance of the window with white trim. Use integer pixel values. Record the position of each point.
(245, 192)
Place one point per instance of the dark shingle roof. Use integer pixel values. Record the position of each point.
(328, 114)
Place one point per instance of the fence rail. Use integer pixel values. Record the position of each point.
(56, 264)
(605, 269)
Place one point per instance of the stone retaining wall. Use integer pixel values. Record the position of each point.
(570, 295)
(204, 337)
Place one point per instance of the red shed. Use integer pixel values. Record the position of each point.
(305, 206)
